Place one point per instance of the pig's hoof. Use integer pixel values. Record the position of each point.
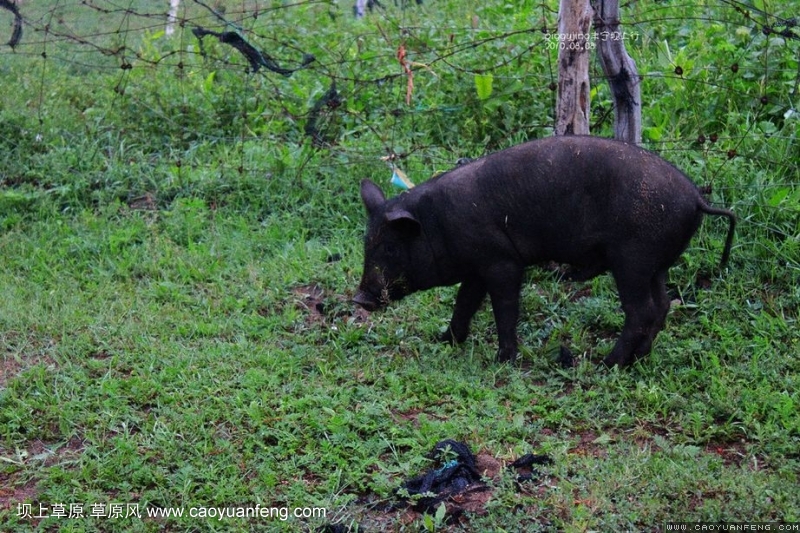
(446, 338)
(609, 362)
(449, 338)
(612, 360)
(505, 355)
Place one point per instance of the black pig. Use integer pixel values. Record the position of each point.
(595, 204)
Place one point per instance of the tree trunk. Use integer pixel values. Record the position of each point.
(574, 26)
(620, 71)
(172, 18)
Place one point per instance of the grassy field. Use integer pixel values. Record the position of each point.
(177, 258)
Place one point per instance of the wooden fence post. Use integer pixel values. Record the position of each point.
(572, 107)
(620, 71)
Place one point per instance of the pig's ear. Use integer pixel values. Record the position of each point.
(403, 221)
(371, 195)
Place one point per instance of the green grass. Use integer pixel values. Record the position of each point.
(175, 325)
(167, 370)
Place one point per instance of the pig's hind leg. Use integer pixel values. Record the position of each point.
(643, 304)
(658, 288)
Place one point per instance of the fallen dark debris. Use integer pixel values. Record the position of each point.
(524, 466)
(454, 476)
(456, 479)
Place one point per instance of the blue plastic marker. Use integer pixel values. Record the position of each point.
(400, 180)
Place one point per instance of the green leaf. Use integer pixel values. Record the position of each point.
(778, 197)
(440, 513)
(427, 522)
(653, 133)
(208, 84)
(605, 438)
(767, 127)
(483, 84)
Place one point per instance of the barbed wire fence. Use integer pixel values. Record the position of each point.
(474, 85)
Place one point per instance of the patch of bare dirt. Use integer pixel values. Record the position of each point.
(146, 202)
(412, 415)
(9, 366)
(320, 307)
(732, 453)
(591, 444)
(13, 491)
(15, 486)
(21, 352)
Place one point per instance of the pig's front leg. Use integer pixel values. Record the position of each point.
(504, 284)
(468, 301)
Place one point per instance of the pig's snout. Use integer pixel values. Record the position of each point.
(366, 300)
